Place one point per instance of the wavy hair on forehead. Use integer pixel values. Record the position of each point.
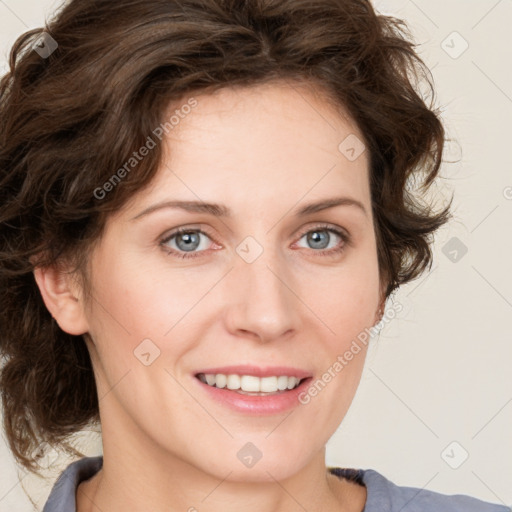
(74, 109)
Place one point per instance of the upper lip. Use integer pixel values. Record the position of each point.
(257, 371)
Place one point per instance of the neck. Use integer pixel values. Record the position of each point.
(146, 482)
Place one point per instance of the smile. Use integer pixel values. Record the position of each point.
(250, 384)
(252, 389)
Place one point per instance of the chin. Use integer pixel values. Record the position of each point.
(247, 463)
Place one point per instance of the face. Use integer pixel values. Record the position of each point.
(253, 289)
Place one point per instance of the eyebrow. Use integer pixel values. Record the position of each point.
(218, 210)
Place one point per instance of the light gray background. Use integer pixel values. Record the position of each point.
(440, 372)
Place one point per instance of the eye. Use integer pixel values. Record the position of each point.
(321, 239)
(191, 242)
(185, 242)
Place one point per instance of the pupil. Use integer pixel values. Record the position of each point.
(191, 241)
(316, 238)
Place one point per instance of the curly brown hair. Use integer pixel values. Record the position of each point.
(76, 107)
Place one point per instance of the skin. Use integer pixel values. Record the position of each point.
(167, 446)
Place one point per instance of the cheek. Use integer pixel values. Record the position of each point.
(139, 309)
(349, 298)
(134, 299)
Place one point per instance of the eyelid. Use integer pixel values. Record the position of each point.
(327, 227)
(180, 229)
(342, 233)
(202, 229)
(185, 229)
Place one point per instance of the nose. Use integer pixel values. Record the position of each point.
(262, 302)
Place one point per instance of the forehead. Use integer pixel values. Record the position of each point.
(248, 146)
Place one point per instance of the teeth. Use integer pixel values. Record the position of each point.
(250, 383)
(221, 380)
(292, 383)
(282, 383)
(233, 382)
(269, 384)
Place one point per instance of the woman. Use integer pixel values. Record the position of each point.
(205, 203)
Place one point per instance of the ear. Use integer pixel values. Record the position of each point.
(62, 297)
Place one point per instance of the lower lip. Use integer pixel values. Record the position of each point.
(256, 405)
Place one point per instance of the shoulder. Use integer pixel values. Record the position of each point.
(62, 497)
(385, 496)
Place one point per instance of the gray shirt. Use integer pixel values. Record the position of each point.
(382, 495)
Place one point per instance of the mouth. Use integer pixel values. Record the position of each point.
(251, 385)
(254, 390)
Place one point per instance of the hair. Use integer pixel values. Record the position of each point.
(73, 110)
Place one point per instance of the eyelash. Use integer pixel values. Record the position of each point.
(323, 252)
